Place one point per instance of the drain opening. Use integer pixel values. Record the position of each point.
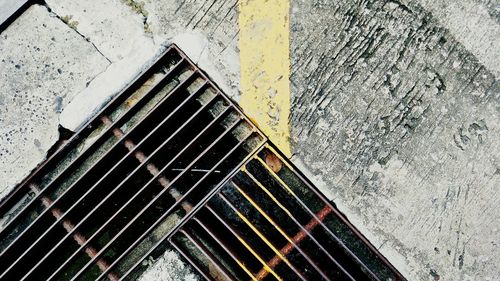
(172, 163)
(267, 223)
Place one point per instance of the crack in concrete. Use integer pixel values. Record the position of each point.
(73, 27)
(138, 7)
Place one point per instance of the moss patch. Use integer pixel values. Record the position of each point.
(68, 21)
(138, 7)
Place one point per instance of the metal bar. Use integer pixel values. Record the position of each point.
(244, 243)
(230, 252)
(143, 163)
(80, 239)
(343, 219)
(79, 179)
(193, 211)
(193, 170)
(101, 139)
(133, 150)
(155, 199)
(221, 183)
(215, 86)
(290, 215)
(308, 210)
(301, 235)
(280, 256)
(279, 229)
(87, 127)
(206, 252)
(190, 260)
(117, 99)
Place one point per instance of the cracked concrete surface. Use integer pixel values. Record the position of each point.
(119, 35)
(394, 106)
(40, 73)
(399, 120)
(480, 33)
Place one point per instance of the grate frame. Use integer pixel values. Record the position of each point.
(316, 221)
(113, 128)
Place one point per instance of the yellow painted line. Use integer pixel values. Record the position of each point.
(265, 67)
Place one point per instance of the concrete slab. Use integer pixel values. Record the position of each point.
(475, 23)
(394, 110)
(398, 122)
(168, 267)
(43, 64)
(131, 34)
(9, 7)
(214, 21)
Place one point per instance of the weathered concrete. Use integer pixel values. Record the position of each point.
(131, 34)
(9, 7)
(394, 110)
(479, 33)
(168, 268)
(398, 122)
(43, 64)
(118, 33)
(217, 21)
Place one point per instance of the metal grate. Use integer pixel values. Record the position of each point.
(268, 223)
(171, 162)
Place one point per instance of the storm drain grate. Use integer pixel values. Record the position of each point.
(268, 223)
(171, 162)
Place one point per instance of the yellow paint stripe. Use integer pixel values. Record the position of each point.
(265, 67)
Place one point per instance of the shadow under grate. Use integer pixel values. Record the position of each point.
(171, 162)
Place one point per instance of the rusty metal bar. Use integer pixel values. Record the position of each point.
(91, 148)
(156, 197)
(340, 216)
(301, 235)
(243, 242)
(151, 167)
(202, 202)
(290, 215)
(78, 237)
(68, 189)
(280, 230)
(191, 261)
(280, 256)
(133, 150)
(87, 128)
(313, 215)
(206, 252)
